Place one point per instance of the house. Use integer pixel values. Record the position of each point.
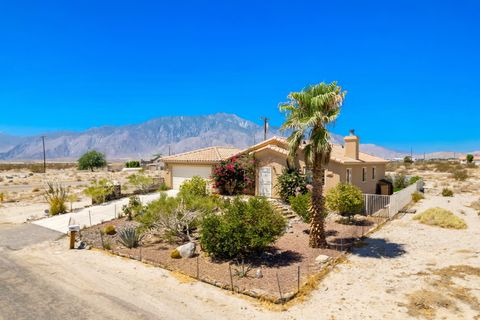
(184, 166)
(347, 165)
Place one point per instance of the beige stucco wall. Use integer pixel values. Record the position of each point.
(335, 172)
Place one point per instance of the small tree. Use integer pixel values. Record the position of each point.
(346, 199)
(132, 164)
(133, 208)
(235, 175)
(407, 160)
(92, 160)
(99, 190)
(141, 181)
(470, 158)
(291, 183)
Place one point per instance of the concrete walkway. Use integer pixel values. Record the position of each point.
(95, 214)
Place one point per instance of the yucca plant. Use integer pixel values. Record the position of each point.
(129, 237)
(56, 196)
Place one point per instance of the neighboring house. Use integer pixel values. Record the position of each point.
(476, 159)
(347, 165)
(183, 166)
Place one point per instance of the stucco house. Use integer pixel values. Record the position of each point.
(347, 164)
(184, 166)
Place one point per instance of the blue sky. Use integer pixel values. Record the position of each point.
(410, 67)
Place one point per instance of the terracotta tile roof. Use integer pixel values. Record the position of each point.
(338, 152)
(206, 155)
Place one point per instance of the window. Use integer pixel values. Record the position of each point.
(349, 176)
(374, 173)
(364, 174)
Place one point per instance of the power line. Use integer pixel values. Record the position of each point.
(265, 127)
(44, 156)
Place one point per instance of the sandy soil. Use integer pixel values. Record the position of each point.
(399, 266)
(23, 190)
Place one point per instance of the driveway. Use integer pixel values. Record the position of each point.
(93, 215)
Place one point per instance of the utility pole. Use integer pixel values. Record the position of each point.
(169, 153)
(265, 127)
(44, 156)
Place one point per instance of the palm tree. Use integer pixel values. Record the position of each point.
(308, 114)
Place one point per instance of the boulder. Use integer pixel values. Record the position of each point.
(187, 250)
(321, 259)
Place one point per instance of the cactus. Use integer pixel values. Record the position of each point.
(129, 237)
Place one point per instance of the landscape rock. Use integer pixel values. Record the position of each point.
(259, 274)
(322, 259)
(187, 250)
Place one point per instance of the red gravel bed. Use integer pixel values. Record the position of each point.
(282, 260)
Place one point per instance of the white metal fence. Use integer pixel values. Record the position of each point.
(389, 206)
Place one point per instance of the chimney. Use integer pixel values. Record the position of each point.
(352, 143)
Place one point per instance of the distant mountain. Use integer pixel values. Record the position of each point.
(162, 135)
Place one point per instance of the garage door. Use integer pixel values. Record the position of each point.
(183, 173)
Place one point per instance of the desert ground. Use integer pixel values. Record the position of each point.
(406, 270)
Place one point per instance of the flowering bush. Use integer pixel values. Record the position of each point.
(235, 175)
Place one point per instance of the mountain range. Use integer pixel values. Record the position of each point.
(163, 135)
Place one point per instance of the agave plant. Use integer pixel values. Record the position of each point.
(129, 237)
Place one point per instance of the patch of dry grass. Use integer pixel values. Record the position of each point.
(424, 303)
(441, 218)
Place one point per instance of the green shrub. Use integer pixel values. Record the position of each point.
(447, 192)
(243, 228)
(301, 205)
(460, 175)
(133, 208)
(110, 230)
(407, 160)
(56, 196)
(417, 196)
(291, 183)
(132, 164)
(195, 187)
(92, 160)
(99, 190)
(346, 199)
(441, 218)
(129, 237)
(414, 179)
(163, 187)
(141, 181)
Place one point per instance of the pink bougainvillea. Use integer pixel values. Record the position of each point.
(235, 175)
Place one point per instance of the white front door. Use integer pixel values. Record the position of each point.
(265, 181)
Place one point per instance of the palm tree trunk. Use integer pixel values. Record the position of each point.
(317, 227)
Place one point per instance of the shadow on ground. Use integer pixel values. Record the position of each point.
(379, 248)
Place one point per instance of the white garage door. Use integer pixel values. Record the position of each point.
(182, 173)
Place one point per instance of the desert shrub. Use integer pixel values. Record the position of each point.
(2, 197)
(417, 196)
(141, 181)
(442, 218)
(132, 164)
(92, 160)
(346, 199)
(235, 175)
(177, 217)
(133, 208)
(243, 228)
(414, 179)
(56, 196)
(110, 230)
(301, 205)
(291, 183)
(163, 187)
(460, 175)
(447, 192)
(99, 190)
(129, 237)
(195, 187)
(476, 206)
